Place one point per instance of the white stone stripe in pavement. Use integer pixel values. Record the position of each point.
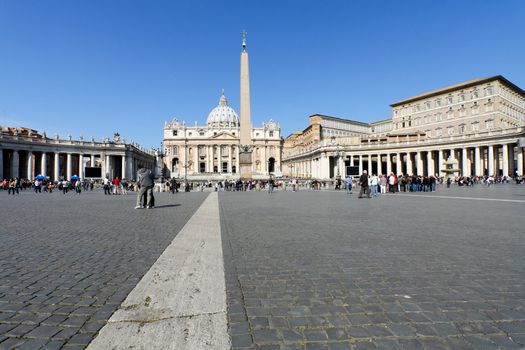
(180, 303)
(466, 198)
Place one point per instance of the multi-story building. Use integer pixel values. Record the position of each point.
(25, 153)
(479, 123)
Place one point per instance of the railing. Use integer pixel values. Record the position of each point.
(39, 139)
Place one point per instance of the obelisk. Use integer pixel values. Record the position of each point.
(245, 154)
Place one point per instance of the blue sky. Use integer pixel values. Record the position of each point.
(95, 67)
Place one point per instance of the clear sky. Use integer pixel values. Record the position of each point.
(95, 67)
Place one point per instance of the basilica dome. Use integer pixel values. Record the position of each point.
(222, 115)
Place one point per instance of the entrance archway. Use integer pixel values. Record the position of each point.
(271, 165)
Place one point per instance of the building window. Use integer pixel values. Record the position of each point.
(475, 93)
(256, 134)
(427, 105)
(438, 102)
(489, 124)
(489, 107)
(488, 91)
(462, 98)
(462, 111)
(271, 133)
(450, 99)
(475, 126)
(201, 133)
(174, 132)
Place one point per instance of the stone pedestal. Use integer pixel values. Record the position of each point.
(245, 163)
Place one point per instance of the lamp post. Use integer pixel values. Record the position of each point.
(161, 164)
(186, 165)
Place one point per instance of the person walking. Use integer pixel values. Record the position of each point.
(271, 184)
(348, 184)
(374, 180)
(363, 182)
(145, 180)
(107, 186)
(382, 182)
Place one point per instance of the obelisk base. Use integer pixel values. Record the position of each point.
(245, 162)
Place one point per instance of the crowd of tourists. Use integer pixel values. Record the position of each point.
(376, 184)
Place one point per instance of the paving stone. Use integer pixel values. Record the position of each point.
(54, 345)
(20, 330)
(32, 344)
(43, 332)
(12, 343)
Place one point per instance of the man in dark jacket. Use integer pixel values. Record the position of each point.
(363, 182)
(145, 180)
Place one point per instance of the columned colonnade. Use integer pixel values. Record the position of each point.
(498, 158)
(215, 156)
(27, 157)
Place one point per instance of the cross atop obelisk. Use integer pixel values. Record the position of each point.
(244, 40)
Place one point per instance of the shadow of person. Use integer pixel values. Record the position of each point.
(167, 206)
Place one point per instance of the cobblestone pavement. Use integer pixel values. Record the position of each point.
(324, 270)
(68, 261)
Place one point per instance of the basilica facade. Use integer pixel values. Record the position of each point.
(478, 125)
(211, 151)
(226, 147)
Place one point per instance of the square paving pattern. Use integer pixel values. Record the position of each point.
(68, 261)
(312, 270)
(304, 270)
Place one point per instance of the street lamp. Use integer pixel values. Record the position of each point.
(161, 164)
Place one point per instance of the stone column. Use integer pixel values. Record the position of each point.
(108, 168)
(491, 160)
(325, 166)
(388, 164)
(452, 153)
(430, 164)
(379, 165)
(264, 160)
(124, 175)
(81, 165)
(1, 161)
(208, 156)
(230, 159)
(410, 171)
(92, 162)
(30, 165)
(520, 161)
(399, 164)
(440, 162)
(369, 164)
(56, 165)
(477, 161)
(351, 159)
(69, 167)
(505, 155)
(360, 164)
(15, 164)
(43, 164)
(237, 160)
(196, 160)
(464, 171)
(219, 157)
(419, 164)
